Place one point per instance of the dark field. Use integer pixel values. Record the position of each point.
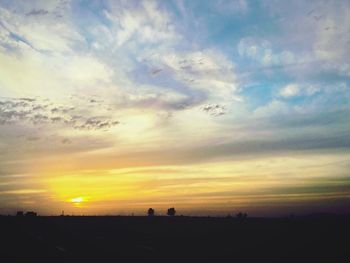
(177, 239)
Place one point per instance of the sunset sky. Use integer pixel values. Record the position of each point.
(211, 107)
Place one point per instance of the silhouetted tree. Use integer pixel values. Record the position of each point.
(241, 215)
(31, 214)
(171, 211)
(19, 213)
(150, 212)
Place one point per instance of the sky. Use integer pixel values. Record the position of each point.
(211, 107)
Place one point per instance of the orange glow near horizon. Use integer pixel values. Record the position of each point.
(213, 187)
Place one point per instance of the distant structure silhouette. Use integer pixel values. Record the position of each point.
(31, 214)
(19, 213)
(171, 211)
(241, 215)
(150, 212)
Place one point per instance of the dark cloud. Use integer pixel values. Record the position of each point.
(338, 187)
(37, 12)
(214, 109)
(95, 123)
(39, 118)
(28, 99)
(12, 116)
(66, 141)
(62, 109)
(8, 104)
(156, 72)
(319, 138)
(39, 107)
(30, 110)
(255, 147)
(313, 120)
(32, 138)
(189, 80)
(56, 119)
(95, 101)
(54, 110)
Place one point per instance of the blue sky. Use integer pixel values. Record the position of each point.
(206, 105)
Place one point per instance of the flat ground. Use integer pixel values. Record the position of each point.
(178, 239)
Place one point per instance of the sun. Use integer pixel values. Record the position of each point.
(77, 200)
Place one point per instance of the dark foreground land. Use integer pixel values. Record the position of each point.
(177, 239)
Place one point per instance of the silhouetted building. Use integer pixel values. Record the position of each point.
(171, 211)
(31, 214)
(19, 213)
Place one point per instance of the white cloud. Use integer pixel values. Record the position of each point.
(332, 35)
(318, 34)
(232, 7)
(312, 89)
(273, 108)
(300, 89)
(262, 52)
(34, 73)
(48, 33)
(291, 90)
(206, 71)
(136, 39)
(144, 23)
(85, 70)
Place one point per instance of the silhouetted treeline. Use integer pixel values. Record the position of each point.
(28, 214)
